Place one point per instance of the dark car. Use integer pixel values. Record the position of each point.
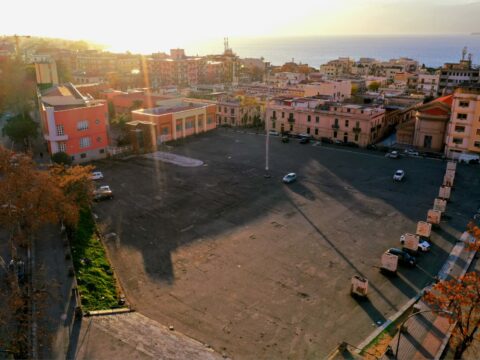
(403, 257)
(285, 139)
(304, 140)
(371, 147)
(326, 140)
(351, 144)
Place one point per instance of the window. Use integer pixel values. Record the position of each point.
(308, 130)
(84, 142)
(346, 123)
(357, 124)
(316, 131)
(356, 137)
(457, 140)
(179, 127)
(232, 111)
(335, 134)
(225, 109)
(62, 147)
(209, 119)
(336, 122)
(97, 121)
(273, 124)
(83, 155)
(101, 151)
(99, 139)
(309, 118)
(317, 119)
(283, 115)
(60, 130)
(348, 109)
(82, 125)
(165, 130)
(476, 144)
(459, 128)
(461, 116)
(463, 104)
(291, 127)
(478, 131)
(274, 114)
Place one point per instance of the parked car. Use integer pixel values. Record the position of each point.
(371, 147)
(273, 133)
(399, 175)
(102, 193)
(411, 152)
(304, 140)
(393, 154)
(289, 178)
(403, 257)
(351, 144)
(326, 140)
(468, 158)
(337, 142)
(433, 155)
(96, 175)
(423, 245)
(285, 139)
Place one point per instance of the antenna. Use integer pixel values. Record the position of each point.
(470, 57)
(464, 52)
(225, 44)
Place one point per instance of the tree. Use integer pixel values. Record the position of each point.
(111, 110)
(17, 90)
(61, 158)
(374, 86)
(460, 297)
(136, 104)
(21, 129)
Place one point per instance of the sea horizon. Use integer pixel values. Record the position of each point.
(431, 50)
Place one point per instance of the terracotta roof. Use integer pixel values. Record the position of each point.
(445, 99)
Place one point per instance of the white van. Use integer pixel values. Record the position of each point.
(469, 158)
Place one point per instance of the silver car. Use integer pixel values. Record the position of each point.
(290, 178)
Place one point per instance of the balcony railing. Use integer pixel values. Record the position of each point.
(291, 119)
(357, 130)
(335, 126)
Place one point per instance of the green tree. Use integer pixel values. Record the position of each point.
(111, 110)
(21, 129)
(61, 158)
(17, 89)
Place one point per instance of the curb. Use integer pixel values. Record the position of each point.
(108, 312)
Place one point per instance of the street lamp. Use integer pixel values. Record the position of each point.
(412, 315)
(267, 138)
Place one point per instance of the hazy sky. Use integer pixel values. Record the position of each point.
(151, 25)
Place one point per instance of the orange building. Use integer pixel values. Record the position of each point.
(123, 102)
(73, 123)
(177, 118)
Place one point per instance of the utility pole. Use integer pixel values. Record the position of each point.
(267, 137)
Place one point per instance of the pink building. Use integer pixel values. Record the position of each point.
(320, 117)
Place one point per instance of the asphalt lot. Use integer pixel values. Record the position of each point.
(258, 269)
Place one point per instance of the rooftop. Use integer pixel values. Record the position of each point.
(170, 109)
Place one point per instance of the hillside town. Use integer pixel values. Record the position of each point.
(177, 206)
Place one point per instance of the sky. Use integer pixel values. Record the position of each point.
(157, 25)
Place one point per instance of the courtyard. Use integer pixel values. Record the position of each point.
(258, 269)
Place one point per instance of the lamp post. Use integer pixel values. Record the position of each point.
(412, 315)
(267, 138)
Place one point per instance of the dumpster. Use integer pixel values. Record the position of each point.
(359, 286)
(389, 263)
(440, 205)
(434, 216)
(424, 229)
(444, 192)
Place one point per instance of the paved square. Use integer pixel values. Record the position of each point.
(259, 269)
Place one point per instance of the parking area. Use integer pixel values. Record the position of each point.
(259, 269)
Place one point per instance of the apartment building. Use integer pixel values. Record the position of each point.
(46, 72)
(238, 111)
(453, 75)
(125, 101)
(73, 123)
(427, 84)
(175, 119)
(463, 130)
(338, 90)
(320, 117)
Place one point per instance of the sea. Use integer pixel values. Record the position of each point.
(431, 50)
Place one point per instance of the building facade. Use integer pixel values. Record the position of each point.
(321, 118)
(74, 124)
(239, 111)
(463, 131)
(175, 119)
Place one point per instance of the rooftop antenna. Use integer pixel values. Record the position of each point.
(464, 52)
(225, 44)
(470, 57)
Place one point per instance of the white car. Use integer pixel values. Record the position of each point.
(289, 178)
(97, 175)
(411, 152)
(399, 175)
(273, 133)
(393, 154)
(422, 245)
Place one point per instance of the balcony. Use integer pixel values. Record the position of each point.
(335, 126)
(357, 130)
(49, 137)
(291, 119)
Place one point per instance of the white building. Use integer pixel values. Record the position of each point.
(337, 90)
